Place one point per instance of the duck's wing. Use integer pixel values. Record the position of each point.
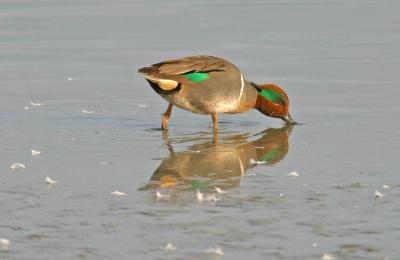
(169, 74)
(185, 65)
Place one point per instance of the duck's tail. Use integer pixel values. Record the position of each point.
(157, 82)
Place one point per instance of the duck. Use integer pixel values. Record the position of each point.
(210, 85)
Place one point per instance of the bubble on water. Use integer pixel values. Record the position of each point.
(4, 243)
(293, 174)
(105, 163)
(162, 196)
(217, 251)
(169, 247)
(35, 104)
(87, 111)
(17, 166)
(326, 256)
(35, 152)
(378, 194)
(50, 181)
(118, 193)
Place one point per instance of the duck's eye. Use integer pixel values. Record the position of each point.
(197, 76)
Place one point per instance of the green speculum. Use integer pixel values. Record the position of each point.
(197, 76)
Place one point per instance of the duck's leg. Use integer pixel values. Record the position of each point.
(215, 120)
(166, 115)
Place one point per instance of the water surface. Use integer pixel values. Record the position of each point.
(339, 62)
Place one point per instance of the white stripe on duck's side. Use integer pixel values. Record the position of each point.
(242, 86)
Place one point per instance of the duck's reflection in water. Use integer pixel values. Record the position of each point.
(219, 162)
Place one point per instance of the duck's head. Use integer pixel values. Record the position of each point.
(273, 101)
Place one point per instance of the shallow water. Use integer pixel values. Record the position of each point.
(339, 62)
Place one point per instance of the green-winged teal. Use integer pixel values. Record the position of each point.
(211, 85)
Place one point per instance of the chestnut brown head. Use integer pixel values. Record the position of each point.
(273, 101)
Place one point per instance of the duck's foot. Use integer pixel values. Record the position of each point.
(166, 116)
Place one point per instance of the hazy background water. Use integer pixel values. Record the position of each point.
(339, 62)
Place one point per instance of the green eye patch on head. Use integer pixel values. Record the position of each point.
(196, 76)
(272, 95)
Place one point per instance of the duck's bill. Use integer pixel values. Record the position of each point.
(288, 119)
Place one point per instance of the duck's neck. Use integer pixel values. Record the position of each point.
(257, 101)
(247, 97)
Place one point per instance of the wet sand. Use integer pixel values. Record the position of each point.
(98, 132)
